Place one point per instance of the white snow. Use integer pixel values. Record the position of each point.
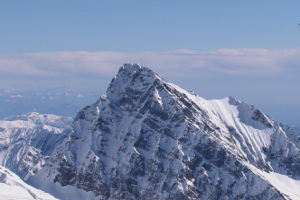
(12, 187)
(60, 192)
(43, 119)
(253, 134)
(284, 184)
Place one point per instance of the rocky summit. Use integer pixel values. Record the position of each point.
(148, 139)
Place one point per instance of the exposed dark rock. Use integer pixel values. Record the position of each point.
(259, 116)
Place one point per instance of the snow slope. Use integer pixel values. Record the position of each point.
(13, 188)
(288, 186)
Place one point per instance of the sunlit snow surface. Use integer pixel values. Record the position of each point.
(13, 188)
(43, 119)
(286, 185)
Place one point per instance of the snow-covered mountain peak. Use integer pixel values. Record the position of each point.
(131, 80)
(146, 139)
(131, 67)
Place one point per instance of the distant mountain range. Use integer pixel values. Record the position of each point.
(146, 138)
(63, 101)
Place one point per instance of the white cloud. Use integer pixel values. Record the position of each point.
(16, 96)
(179, 63)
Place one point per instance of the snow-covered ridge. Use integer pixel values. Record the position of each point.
(26, 141)
(43, 119)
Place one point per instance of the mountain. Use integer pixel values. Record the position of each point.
(27, 141)
(147, 139)
(12, 187)
(43, 119)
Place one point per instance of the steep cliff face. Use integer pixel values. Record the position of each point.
(146, 138)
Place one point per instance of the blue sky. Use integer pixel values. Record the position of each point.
(134, 26)
(246, 49)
